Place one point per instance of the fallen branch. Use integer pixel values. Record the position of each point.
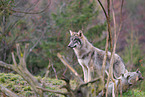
(7, 92)
(63, 60)
(5, 65)
(53, 91)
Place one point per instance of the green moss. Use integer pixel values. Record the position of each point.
(28, 93)
(16, 89)
(22, 82)
(13, 78)
(2, 79)
(27, 88)
(10, 85)
(134, 93)
(1, 74)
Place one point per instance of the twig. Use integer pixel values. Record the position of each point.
(120, 18)
(54, 71)
(92, 81)
(37, 42)
(103, 8)
(65, 71)
(47, 72)
(11, 26)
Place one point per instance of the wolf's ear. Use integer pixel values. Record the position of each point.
(137, 71)
(71, 33)
(80, 33)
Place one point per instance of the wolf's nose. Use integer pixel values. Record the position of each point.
(69, 46)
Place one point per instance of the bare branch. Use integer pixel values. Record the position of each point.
(103, 8)
(33, 12)
(52, 91)
(5, 65)
(37, 41)
(54, 71)
(109, 28)
(47, 72)
(26, 50)
(120, 18)
(92, 81)
(13, 57)
(18, 50)
(9, 28)
(105, 56)
(108, 20)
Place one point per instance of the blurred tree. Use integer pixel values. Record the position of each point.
(18, 25)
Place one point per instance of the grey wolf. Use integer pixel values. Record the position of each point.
(128, 80)
(91, 58)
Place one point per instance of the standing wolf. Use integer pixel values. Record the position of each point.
(91, 58)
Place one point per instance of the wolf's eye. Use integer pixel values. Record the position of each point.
(75, 41)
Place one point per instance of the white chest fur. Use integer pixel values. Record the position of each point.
(84, 62)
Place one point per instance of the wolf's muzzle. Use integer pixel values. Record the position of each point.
(71, 46)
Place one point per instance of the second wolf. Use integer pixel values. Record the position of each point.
(91, 58)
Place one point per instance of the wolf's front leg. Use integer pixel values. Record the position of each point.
(89, 74)
(85, 71)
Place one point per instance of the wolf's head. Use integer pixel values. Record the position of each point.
(76, 39)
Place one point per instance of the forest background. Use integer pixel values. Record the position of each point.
(46, 29)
